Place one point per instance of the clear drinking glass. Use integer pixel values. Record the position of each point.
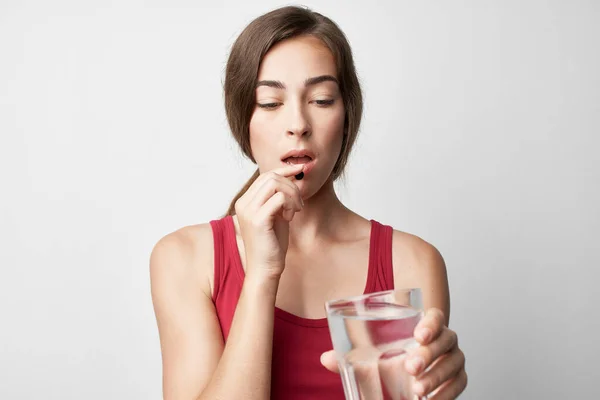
(371, 334)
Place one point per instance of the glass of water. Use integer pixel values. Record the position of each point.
(371, 334)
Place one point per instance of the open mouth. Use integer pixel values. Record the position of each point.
(297, 160)
(300, 156)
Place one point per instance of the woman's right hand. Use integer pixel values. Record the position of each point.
(264, 213)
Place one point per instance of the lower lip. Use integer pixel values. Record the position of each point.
(307, 167)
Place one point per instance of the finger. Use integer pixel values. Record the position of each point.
(452, 388)
(289, 170)
(365, 369)
(368, 381)
(422, 356)
(329, 361)
(276, 204)
(446, 367)
(430, 326)
(396, 382)
(273, 185)
(272, 178)
(286, 172)
(376, 379)
(288, 214)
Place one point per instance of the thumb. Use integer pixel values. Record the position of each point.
(328, 360)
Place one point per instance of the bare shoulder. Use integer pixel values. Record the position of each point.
(185, 255)
(414, 252)
(418, 263)
(191, 340)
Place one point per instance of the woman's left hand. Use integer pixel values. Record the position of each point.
(438, 363)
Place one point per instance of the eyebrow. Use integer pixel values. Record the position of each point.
(308, 82)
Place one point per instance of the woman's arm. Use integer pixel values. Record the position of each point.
(438, 363)
(196, 363)
(417, 263)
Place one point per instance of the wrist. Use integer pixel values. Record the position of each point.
(263, 282)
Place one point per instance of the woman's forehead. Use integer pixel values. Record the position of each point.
(294, 60)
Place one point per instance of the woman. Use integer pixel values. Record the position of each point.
(239, 301)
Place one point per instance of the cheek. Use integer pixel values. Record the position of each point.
(334, 129)
(258, 136)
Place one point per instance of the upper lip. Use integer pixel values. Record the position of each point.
(298, 153)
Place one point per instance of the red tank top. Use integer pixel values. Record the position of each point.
(298, 343)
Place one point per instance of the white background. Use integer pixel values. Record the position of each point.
(480, 135)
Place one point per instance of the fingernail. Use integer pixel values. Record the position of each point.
(419, 388)
(425, 334)
(416, 363)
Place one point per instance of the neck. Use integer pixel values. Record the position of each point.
(316, 220)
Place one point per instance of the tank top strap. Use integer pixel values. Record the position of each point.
(380, 260)
(218, 230)
(228, 272)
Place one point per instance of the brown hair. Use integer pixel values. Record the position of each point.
(241, 74)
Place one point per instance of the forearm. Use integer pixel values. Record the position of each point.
(244, 370)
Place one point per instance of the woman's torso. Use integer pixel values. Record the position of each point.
(361, 262)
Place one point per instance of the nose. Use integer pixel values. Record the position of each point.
(299, 124)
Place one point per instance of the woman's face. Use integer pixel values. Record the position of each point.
(299, 111)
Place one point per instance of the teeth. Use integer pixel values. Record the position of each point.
(300, 156)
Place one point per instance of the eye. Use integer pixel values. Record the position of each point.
(268, 106)
(324, 103)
